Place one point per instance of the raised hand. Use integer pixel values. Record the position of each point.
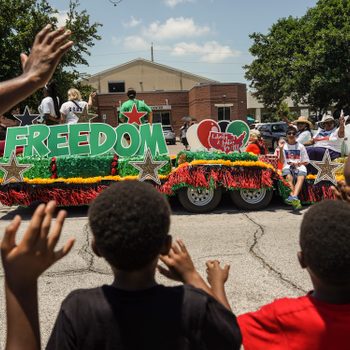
(25, 262)
(216, 275)
(46, 52)
(179, 263)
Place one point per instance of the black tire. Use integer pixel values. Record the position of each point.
(251, 199)
(205, 203)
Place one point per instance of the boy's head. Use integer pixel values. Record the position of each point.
(325, 242)
(130, 222)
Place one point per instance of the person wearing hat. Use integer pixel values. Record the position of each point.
(140, 105)
(256, 144)
(304, 134)
(328, 137)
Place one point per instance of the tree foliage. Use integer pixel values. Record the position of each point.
(21, 20)
(306, 58)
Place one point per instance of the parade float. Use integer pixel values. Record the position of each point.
(73, 163)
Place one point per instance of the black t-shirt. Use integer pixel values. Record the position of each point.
(159, 318)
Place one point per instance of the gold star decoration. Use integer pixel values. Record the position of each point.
(148, 167)
(13, 170)
(86, 117)
(326, 169)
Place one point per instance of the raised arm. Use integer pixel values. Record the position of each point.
(341, 131)
(23, 264)
(38, 67)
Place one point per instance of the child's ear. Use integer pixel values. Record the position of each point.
(301, 259)
(94, 248)
(166, 245)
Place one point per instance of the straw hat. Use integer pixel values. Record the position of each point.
(302, 119)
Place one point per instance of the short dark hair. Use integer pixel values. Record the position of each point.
(291, 128)
(325, 241)
(130, 222)
(131, 93)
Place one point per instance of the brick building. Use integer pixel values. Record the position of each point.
(171, 93)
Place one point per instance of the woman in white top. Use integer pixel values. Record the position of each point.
(71, 109)
(49, 107)
(304, 134)
(328, 137)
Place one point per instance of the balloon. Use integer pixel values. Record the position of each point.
(192, 138)
(237, 127)
(204, 129)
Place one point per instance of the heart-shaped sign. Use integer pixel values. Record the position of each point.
(227, 138)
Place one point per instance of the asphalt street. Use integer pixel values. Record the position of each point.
(261, 248)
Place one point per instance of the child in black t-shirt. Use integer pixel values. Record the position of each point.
(130, 223)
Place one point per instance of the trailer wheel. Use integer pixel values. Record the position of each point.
(199, 200)
(251, 199)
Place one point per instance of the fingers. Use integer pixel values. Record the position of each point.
(65, 250)
(50, 36)
(42, 34)
(165, 272)
(59, 39)
(33, 231)
(9, 239)
(45, 227)
(24, 59)
(57, 229)
(182, 245)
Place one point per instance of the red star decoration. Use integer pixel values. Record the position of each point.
(134, 116)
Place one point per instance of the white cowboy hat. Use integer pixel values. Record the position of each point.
(302, 119)
(327, 118)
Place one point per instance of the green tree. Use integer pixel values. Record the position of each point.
(21, 20)
(306, 58)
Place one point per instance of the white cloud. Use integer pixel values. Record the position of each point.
(133, 22)
(173, 3)
(175, 28)
(211, 51)
(61, 16)
(136, 43)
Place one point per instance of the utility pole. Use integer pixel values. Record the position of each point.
(152, 56)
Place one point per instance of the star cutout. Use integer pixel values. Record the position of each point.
(26, 118)
(12, 170)
(86, 117)
(326, 169)
(134, 116)
(148, 167)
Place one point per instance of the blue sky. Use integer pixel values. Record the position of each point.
(205, 37)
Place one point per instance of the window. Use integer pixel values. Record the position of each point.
(161, 117)
(224, 113)
(116, 86)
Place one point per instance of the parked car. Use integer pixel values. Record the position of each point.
(169, 134)
(272, 132)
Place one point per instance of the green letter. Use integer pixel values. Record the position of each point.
(134, 145)
(76, 139)
(152, 137)
(101, 132)
(56, 139)
(13, 140)
(36, 140)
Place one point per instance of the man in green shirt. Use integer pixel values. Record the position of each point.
(128, 107)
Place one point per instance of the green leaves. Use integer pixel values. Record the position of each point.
(21, 20)
(305, 58)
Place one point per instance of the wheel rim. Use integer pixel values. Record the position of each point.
(253, 196)
(200, 197)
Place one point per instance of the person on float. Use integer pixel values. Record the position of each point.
(294, 157)
(256, 144)
(304, 134)
(183, 132)
(49, 107)
(140, 105)
(71, 109)
(328, 137)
